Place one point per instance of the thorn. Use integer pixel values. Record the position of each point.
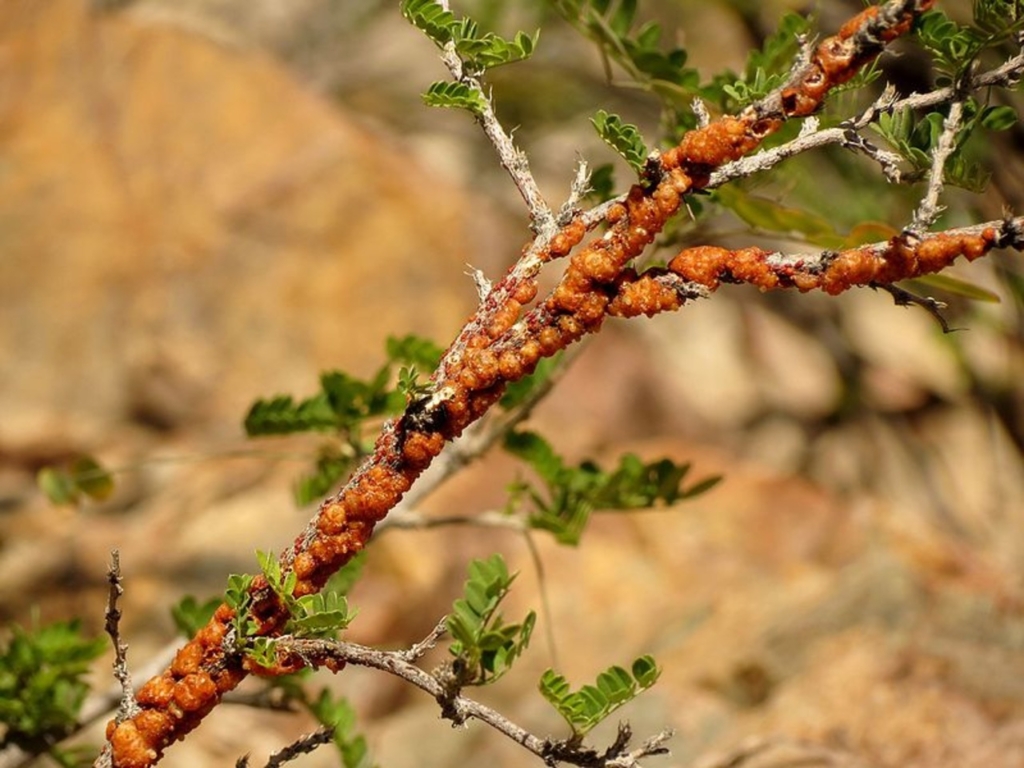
(483, 285)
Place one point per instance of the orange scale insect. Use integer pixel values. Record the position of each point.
(615, 214)
(131, 747)
(187, 660)
(509, 365)
(156, 693)
(525, 292)
(332, 520)
(195, 692)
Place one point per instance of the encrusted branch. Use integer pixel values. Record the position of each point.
(505, 339)
(847, 134)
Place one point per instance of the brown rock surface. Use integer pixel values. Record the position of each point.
(186, 228)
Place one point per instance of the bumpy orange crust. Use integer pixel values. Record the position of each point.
(503, 343)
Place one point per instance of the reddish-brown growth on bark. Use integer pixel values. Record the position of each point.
(504, 341)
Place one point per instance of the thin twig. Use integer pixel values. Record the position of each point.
(578, 190)
(512, 159)
(1008, 73)
(905, 298)
(459, 708)
(301, 746)
(128, 706)
(929, 209)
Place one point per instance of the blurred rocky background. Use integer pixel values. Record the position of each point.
(207, 201)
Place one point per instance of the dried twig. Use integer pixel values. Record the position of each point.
(301, 746)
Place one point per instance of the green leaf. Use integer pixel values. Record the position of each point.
(263, 651)
(271, 568)
(957, 287)
(602, 183)
(486, 645)
(41, 680)
(999, 118)
(320, 615)
(237, 596)
(585, 708)
(624, 138)
(344, 579)
(772, 216)
(239, 599)
(190, 615)
(353, 400)
(572, 493)
(338, 713)
(454, 95)
(645, 671)
(84, 477)
(622, 19)
(430, 18)
(92, 479)
(281, 415)
(490, 50)
(538, 453)
(58, 486)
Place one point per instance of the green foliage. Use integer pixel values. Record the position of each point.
(338, 713)
(190, 615)
(262, 650)
(344, 401)
(585, 708)
(477, 51)
(454, 95)
(771, 216)
(239, 600)
(998, 17)
(430, 18)
(768, 68)
(482, 52)
(624, 138)
(346, 577)
(954, 47)
(609, 23)
(281, 415)
(342, 406)
(915, 139)
(332, 465)
(320, 615)
(483, 644)
(954, 286)
(414, 350)
(570, 494)
(84, 478)
(41, 686)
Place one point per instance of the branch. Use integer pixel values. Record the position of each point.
(128, 706)
(503, 343)
(302, 746)
(459, 708)
(846, 134)
(929, 209)
(512, 159)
